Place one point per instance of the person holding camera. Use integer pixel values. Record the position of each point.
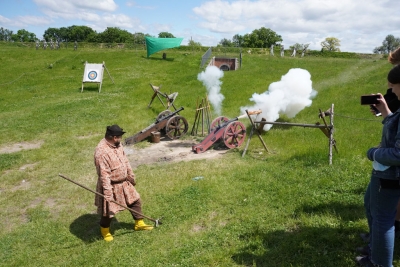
(383, 191)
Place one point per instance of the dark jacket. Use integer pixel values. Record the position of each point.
(388, 153)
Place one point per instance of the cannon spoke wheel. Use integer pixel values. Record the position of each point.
(234, 134)
(217, 122)
(176, 127)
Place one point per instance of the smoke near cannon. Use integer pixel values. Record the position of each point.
(288, 96)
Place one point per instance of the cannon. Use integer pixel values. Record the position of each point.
(232, 132)
(167, 121)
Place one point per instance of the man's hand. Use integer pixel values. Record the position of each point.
(371, 152)
(131, 180)
(108, 195)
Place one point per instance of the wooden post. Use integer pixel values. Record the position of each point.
(253, 127)
(202, 116)
(208, 115)
(195, 117)
(331, 140)
(328, 131)
(248, 141)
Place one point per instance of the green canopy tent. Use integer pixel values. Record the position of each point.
(157, 44)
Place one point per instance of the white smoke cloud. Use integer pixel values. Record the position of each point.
(210, 78)
(288, 96)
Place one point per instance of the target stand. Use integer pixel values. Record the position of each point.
(93, 73)
(157, 93)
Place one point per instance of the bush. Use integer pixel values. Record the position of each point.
(316, 53)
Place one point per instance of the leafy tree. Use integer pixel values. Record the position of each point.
(298, 47)
(64, 34)
(225, 43)
(194, 44)
(79, 33)
(237, 40)
(24, 36)
(165, 35)
(52, 33)
(331, 44)
(115, 35)
(93, 37)
(5, 34)
(139, 38)
(389, 44)
(261, 38)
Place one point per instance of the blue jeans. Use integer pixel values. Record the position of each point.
(380, 205)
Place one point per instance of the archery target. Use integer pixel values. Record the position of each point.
(93, 73)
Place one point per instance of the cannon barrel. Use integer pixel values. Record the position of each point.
(225, 123)
(166, 117)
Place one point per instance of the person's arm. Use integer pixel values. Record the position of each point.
(131, 175)
(387, 156)
(104, 172)
(382, 106)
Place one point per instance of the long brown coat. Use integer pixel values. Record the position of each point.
(115, 176)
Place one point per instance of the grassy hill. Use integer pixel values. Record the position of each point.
(288, 207)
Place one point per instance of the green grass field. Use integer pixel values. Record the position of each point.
(284, 208)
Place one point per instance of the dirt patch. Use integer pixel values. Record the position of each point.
(24, 185)
(170, 151)
(11, 148)
(27, 166)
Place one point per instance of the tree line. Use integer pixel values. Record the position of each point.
(80, 34)
(267, 38)
(258, 38)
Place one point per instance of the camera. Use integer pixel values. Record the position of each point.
(369, 99)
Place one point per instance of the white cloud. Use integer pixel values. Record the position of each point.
(304, 21)
(88, 11)
(359, 25)
(23, 21)
(4, 20)
(77, 5)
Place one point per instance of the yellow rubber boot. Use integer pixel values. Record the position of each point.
(105, 232)
(140, 225)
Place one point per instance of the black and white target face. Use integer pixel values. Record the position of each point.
(92, 75)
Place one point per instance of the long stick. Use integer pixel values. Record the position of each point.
(294, 124)
(248, 141)
(157, 222)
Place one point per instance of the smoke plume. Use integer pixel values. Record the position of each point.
(210, 78)
(288, 96)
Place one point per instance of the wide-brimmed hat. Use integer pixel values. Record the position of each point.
(114, 130)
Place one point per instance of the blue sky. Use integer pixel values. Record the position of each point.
(359, 25)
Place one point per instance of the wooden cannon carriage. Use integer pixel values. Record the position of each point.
(173, 125)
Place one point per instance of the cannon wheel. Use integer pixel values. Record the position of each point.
(176, 127)
(234, 134)
(163, 114)
(218, 121)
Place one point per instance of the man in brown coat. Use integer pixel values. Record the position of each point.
(116, 181)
